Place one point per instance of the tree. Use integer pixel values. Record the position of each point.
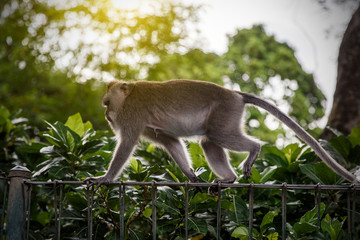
(257, 63)
(55, 55)
(194, 64)
(345, 112)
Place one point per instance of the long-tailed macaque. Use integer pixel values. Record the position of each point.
(164, 112)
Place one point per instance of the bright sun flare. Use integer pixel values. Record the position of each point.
(127, 4)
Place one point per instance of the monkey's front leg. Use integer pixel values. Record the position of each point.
(122, 153)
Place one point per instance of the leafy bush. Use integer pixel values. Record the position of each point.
(74, 150)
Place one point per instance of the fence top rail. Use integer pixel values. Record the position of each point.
(232, 185)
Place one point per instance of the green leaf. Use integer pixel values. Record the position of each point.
(267, 219)
(88, 125)
(43, 218)
(74, 140)
(147, 212)
(5, 122)
(34, 147)
(276, 160)
(151, 148)
(327, 175)
(172, 175)
(354, 136)
(201, 198)
(291, 152)
(302, 228)
(273, 236)
(334, 152)
(135, 165)
(168, 208)
(197, 156)
(198, 224)
(267, 173)
(332, 227)
(58, 133)
(91, 147)
(308, 170)
(46, 166)
(241, 232)
(255, 177)
(77, 200)
(308, 222)
(311, 216)
(241, 212)
(342, 145)
(268, 149)
(76, 124)
(4, 113)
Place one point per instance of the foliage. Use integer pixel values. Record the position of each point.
(74, 150)
(53, 58)
(257, 63)
(56, 55)
(264, 66)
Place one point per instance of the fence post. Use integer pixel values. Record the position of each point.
(16, 203)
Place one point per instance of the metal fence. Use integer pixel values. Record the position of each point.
(18, 190)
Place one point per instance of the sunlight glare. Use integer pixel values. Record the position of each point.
(127, 4)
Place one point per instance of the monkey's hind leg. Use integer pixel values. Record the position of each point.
(176, 149)
(236, 141)
(244, 143)
(218, 162)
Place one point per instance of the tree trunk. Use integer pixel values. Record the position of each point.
(345, 112)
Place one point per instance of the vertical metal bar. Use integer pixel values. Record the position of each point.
(90, 206)
(218, 217)
(353, 210)
(318, 203)
(28, 211)
(3, 208)
(55, 208)
(153, 200)
(283, 209)
(91, 210)
(186, 208)
(349, 212)
(60, 211)
(122, 208)
(251, 210)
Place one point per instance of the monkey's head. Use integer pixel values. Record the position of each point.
(116, 93)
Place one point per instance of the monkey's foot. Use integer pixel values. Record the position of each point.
(98, 181)
(214, 190)
(246, 168)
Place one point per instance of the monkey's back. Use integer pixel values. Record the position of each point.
(182, 105)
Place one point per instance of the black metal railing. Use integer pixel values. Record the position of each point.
(27, 186)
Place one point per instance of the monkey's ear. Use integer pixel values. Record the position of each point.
(110, 84)
(125, 89)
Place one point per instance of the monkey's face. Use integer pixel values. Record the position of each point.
(109, 102)
(113, 100)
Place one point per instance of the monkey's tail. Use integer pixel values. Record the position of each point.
(336, 167)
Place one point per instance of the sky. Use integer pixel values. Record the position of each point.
(314, 33)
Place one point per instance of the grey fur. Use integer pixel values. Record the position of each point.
(165, 112)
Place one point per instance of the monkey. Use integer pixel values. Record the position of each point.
(166, 112)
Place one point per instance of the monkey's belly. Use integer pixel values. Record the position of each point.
(181, 127)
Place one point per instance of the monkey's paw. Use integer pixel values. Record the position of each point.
(246, 168)
(98, 181)
(214, 190)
